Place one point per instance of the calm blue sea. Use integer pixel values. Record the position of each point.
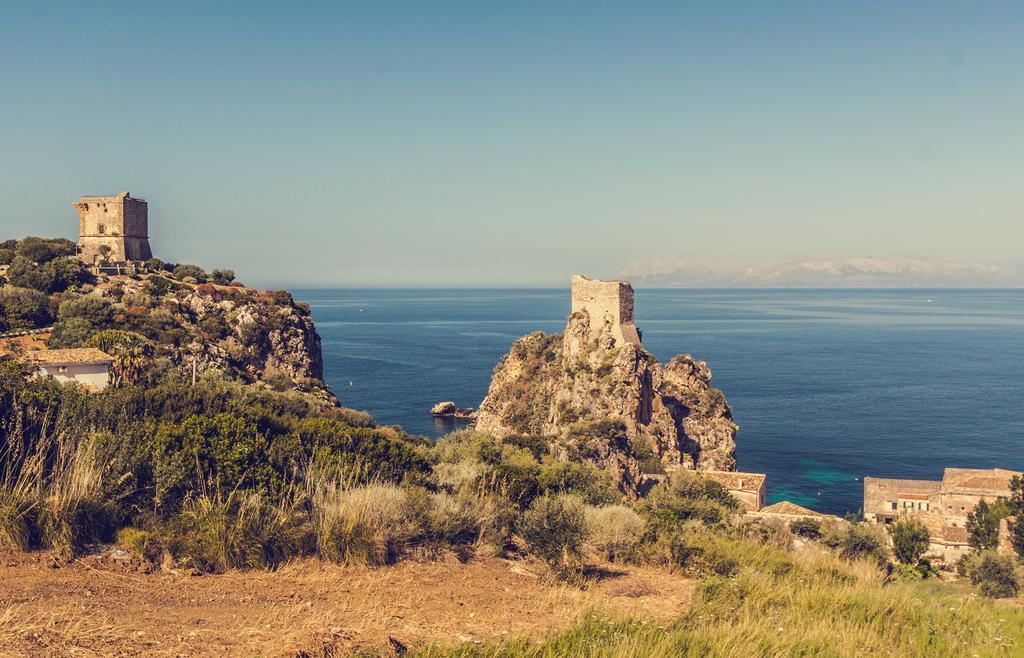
(827, 386)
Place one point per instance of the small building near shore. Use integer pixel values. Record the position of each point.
(747, 488)
(87, 366)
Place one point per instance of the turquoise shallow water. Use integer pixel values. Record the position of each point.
(827, 386)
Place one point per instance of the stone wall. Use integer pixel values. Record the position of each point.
(881, 493)
(609, 304)
(113, 228)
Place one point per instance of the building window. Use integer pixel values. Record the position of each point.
(102, 229)
(62, 370)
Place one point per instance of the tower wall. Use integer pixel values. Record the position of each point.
(609, 304)
(113, 228)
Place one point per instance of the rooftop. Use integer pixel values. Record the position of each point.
(79, 355)
(995, 480)
(736, 479)
(786, 508)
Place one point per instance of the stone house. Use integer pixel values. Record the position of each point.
(942, 505)
(87, 366)
(747, 488)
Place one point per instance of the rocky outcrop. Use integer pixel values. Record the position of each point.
(600, 397)
(449, 409)
(261, 337)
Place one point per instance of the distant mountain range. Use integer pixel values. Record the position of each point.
(839, 273)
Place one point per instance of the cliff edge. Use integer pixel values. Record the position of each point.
(598, 395)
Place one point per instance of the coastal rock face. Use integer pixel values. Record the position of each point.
(599, 395)
(248, 335)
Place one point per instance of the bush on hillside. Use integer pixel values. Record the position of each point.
(43, 250)
(864, 542)
(615, 531)
(995, 575)
(807, 528)
(23, 308)
(182, 272)
(555, 527)
(686, 496)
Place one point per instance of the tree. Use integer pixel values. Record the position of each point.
(995, 575)
(79, 318)
(24, 308)
(983, 527)
(864, 541)
(130, 350)
(42, 250)
(910, 540)
(181, 272)
(222, 277)
(6, 256)
(1016, 505)
(24, 273)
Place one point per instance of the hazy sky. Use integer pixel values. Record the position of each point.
(513, 143)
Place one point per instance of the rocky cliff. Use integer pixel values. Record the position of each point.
(249, 335)
(602, 397)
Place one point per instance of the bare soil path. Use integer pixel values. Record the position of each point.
(97, 607)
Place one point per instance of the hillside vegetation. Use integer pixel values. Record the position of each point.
(177, 316)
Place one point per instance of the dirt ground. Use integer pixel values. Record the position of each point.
(99, 605)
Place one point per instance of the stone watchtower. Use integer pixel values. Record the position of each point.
(609, 304)
(113, 229)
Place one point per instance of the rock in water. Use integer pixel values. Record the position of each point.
(597, 394)
(449, 410)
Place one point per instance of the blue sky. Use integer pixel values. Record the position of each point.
(514, 143)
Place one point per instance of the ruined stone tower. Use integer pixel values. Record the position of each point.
(113, 229)
(609, 304)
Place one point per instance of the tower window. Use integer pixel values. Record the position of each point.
(102, 229)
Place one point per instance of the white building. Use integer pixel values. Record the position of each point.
(87, 366)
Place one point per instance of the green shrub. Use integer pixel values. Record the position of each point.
(683, 497)
(807, 528)
(369, 525)
(615, 531)
(6, 256)
(43, 250)
(134, 539)
(182, 272)
(24, 308)
(244, 530)
(555, 527)
(222, 277)
(910, 540)
(203, 452)
(864, 541)
(995, 575)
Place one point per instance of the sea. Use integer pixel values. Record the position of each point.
(827, 386)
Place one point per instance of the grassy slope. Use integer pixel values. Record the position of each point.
(813, 605)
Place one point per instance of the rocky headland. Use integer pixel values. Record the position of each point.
(596, 394)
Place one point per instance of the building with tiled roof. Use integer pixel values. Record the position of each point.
(86, 365)
(747, 488)
(788, 511)
(942, 505)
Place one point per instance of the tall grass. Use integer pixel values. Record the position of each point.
(52, 496)
(241, 530)
(819, 606)
(368, 525)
